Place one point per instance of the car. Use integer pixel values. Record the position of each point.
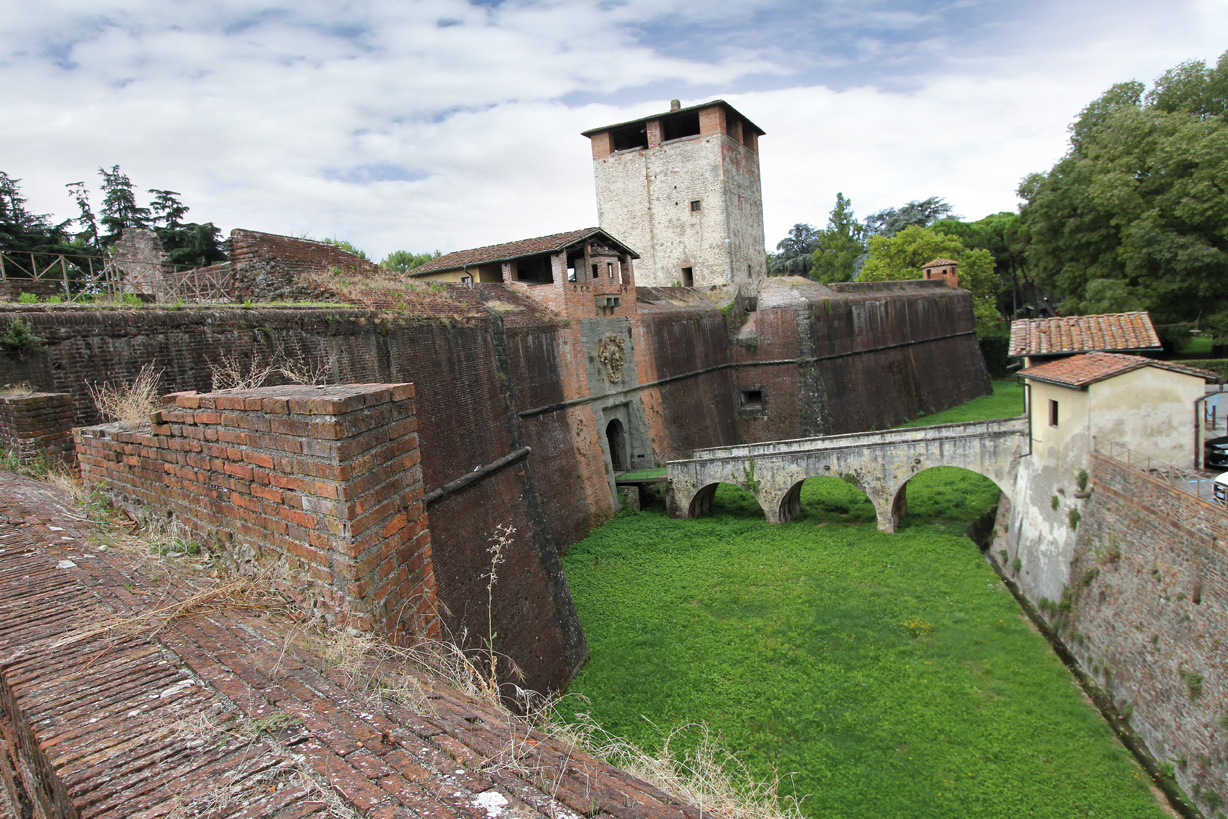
(1220, 487)
(1215, 452)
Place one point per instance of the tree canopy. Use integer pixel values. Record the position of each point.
(793, 253)
(402, 261)
(21, 230)
(918, 213)
(899, 257)
(840, 245)
(1136, 212)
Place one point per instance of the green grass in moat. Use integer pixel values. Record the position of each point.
(1005, 402)
(882, 675)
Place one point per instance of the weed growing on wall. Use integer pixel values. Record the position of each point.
(129, 404)
(19, 338)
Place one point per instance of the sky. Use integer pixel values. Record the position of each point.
(443, 124)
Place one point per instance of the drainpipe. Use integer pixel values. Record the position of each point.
(1199, 452)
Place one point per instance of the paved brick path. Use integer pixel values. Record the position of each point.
(238, 713)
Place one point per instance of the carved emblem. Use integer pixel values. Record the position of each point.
(612, 353)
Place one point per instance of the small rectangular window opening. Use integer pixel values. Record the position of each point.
(682, 125)
(695, 206)
(752, 399)
(609, 270)
(688, 277)
(627, 139)
(596, 272)
(1052, 413)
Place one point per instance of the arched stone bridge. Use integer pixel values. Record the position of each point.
(880, 463)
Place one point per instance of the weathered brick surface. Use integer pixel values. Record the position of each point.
(1148, 616)
(322, 485)
(37, 427)
(227, 712)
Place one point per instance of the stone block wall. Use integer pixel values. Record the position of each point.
(319, 485)
(38, 427)
(1146, 613)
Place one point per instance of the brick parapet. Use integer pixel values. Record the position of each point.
(1148, 614)
(37, 427)
(321, 485)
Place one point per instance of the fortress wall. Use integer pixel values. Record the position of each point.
(1146, 613)
(861, 362)
(462, 375)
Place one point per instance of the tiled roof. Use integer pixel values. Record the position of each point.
(1082, 334)
(936, 262)
(515, 250)
(709, 104)
(1080, 370)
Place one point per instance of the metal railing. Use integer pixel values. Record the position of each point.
(1185, 480)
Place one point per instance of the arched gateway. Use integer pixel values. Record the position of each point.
(879, 463)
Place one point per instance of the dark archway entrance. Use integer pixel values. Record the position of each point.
(616, 437)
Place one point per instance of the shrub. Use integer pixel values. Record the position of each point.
(1074, 517)
(19, 338)
(28, 298)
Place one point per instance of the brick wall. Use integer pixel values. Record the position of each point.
(1146, 613)
(267, 266)
(37, 427)
(319, 485)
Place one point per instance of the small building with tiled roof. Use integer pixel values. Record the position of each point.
(1130, 332)
(946, 270)
(1090, 399)
(578, 274)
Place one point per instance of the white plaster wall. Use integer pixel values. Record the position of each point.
(1149, 410)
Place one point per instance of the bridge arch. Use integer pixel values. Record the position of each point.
(897, 508)
(705, 499)
(836, 495)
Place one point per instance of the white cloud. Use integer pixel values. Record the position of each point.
(258, 119)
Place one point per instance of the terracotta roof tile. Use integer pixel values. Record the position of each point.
(514, 250)
(1080, 370)
(936, 262)
(1082, 334)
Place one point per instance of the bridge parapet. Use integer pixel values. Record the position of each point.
(879, 463)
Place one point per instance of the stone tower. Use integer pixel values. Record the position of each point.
(682, 190)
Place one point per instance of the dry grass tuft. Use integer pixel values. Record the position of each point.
(709, 777)
(17, 390)
(240, 594)
(228, 373)
(129, 404)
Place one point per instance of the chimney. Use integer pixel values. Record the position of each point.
(675, 105)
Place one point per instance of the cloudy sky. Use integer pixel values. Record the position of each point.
(445, 124)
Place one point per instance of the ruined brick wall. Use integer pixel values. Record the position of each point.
(467, 422)
(268, 267)
(321, 486)
(37, 428)
(1146, 614)
(142, 263)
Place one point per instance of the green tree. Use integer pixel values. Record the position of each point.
(166, 208)
(794, 252)
(402, 261)
(1136, 213)
(21, 230)
(918, 213)
(1003, 235)
(841, 244)
(119, 207)
(900, 257)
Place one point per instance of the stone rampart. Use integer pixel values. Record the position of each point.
(321, 486)
(1146, 614)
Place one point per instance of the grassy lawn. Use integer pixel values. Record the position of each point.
(879, 675)
(1006, 402)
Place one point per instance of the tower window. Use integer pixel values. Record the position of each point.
(696, 206)
(682, 125)
(628, 139)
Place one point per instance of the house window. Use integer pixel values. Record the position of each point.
(1052, 413)
(688, 277)
(696, 206)
(467, 280)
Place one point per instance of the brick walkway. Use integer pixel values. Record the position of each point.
(238, 712)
